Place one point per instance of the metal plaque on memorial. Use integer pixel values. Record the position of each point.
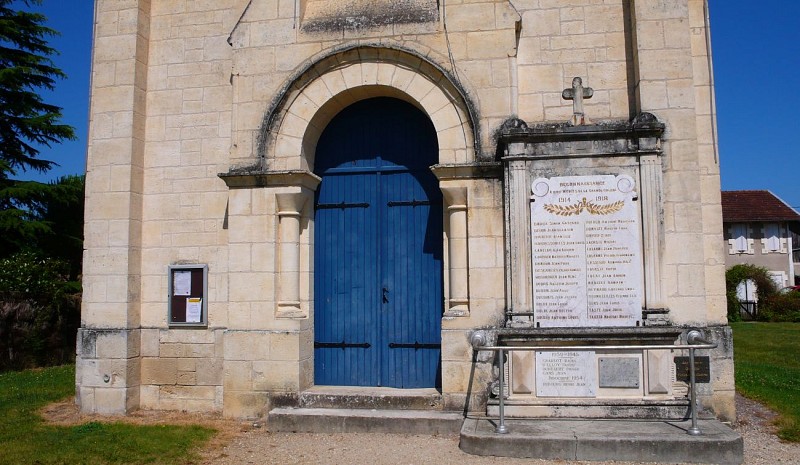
(702, 369)
(586, 241)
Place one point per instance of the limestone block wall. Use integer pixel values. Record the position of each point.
(183, 91)
(563, 39)
(107, 373)
(267, 351)
(181, 370)
(272, 46)
(708, 163)
(673, 82)
(187, 138)
(486, 294)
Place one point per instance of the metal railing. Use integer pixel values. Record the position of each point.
(694, 339)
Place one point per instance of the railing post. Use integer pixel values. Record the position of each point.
(692, 338)
(694, 430)
(501, 426)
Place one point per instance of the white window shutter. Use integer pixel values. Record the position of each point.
(738, 241)
(772, 242)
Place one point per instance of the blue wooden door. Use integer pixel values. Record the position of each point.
(377, 249)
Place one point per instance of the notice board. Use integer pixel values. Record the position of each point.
(188, 295)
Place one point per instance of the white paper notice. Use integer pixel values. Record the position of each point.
(194, 309)
(182, 283)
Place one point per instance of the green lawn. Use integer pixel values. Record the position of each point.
(25, 438)
(767, 363)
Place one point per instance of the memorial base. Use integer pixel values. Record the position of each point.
(643, 409)
(604, 440)
(617, 376)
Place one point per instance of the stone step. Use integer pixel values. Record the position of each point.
(673, 409)
(370, 398)
(599, 440)
(328, 420)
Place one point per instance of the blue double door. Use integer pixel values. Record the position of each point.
(378, 249)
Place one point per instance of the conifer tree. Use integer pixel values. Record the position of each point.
(27, 122)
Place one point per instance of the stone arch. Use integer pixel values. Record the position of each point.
(292, 127)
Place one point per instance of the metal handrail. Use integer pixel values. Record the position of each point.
(694, 339)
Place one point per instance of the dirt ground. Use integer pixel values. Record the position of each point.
(239, 442)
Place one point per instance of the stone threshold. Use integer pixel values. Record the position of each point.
(381, 398)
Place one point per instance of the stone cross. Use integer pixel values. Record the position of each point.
(577, 93)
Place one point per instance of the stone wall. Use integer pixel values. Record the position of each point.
(184, 91)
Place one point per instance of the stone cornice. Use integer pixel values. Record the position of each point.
(245, 178)
(555, 140)
(476, 170)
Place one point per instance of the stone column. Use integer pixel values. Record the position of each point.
(519, 239)
(650, 188)
(290, 207)
(457, 250)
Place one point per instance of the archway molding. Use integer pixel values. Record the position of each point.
(293, 125)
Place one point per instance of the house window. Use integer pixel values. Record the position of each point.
(779, 278)
(772, 241)
(740, 241)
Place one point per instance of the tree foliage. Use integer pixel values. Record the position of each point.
(27, 122)
(765, 286)
(61, 213)
(41, 233)
(39, 311)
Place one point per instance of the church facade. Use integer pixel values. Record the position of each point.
(283, 194)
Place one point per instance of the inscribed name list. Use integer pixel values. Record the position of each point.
(566, 374)
(586, 256)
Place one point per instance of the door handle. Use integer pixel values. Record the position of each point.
(385, 295)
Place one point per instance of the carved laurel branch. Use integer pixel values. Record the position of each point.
(592, 208)
(568, 210)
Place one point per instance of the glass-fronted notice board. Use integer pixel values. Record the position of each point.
(188, 288)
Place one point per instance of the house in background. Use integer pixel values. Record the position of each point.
(761, 229)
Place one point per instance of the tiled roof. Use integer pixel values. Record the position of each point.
(743, 206)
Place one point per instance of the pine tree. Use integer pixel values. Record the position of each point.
(27, 122)
(62, 213)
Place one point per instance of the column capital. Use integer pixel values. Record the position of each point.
(291, 203)
(455, 195)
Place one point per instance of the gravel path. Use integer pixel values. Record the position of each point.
(258, 446)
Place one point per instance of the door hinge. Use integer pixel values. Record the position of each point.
(341, 345)
(407, 203)
(416, 346)
(341, 205)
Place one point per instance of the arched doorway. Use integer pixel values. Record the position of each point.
(378, 249)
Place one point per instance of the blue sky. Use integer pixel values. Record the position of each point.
(756, 64)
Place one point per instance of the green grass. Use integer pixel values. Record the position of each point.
(767, 363)
(25, 438)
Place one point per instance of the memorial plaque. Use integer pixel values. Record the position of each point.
(702, 369)
(587, 265)
(566, 374)
(619, 372)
